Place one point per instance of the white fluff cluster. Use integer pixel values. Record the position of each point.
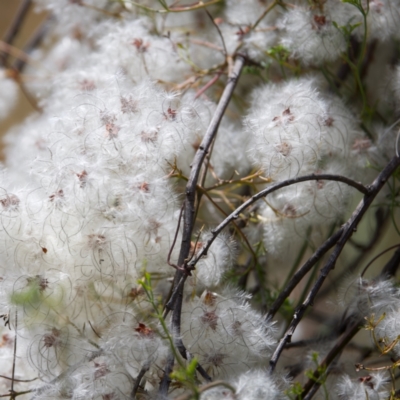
(297, 131)
(380, 300)
(88, 204)
(239, 16)
(225, 334)
(96, 209)
(295, 127)
(382, 19)
(220, 257)
(252, 385)
(128, 48)
(229, 157)
(310, 34)
(77, 16)
(371, 387)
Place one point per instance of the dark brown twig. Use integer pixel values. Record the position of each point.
(378, 256)
(35, 41)
(348, 228)
(392, 265)
(270, 189)
(12, 393)
(140, 376)
(299, 275)
(14, 28)
(175, 301)
(381, 220)
(312, 385)
(18, 380)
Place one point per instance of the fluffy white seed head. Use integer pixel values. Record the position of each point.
(302, 211)
(381, 20)
(220, 257)
(224, 333)
(294, 127)
(309, 33)
(372, 387)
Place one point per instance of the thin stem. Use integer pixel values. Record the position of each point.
(298, 259)
(378, 256)
(364, 39)
(207, 85)
(263, 15)
(174, 241)
(356, 262)
(16, 394)
(392, 265)
(18, 380)
(167, 9)
(140, 376)
(17, 53)
(298, 276)
(14, 356)
(35, 40)
(225, 51)
(184, 353)
(100, 10)
(243, 236)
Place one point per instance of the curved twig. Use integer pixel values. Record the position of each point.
(270, 189)
(348, 228)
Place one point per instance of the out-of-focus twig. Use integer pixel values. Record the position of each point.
(14, 28)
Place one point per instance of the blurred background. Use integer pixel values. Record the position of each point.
(32, 21)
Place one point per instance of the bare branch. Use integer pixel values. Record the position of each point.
(330, 357)
(14, 356)
(18, 380)
(270, 189)
(348, 228)
(175, 301)
(140, 376)
(381, 220)
(299, 275)
(14, 28)
(35, 41)
(312, 385)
